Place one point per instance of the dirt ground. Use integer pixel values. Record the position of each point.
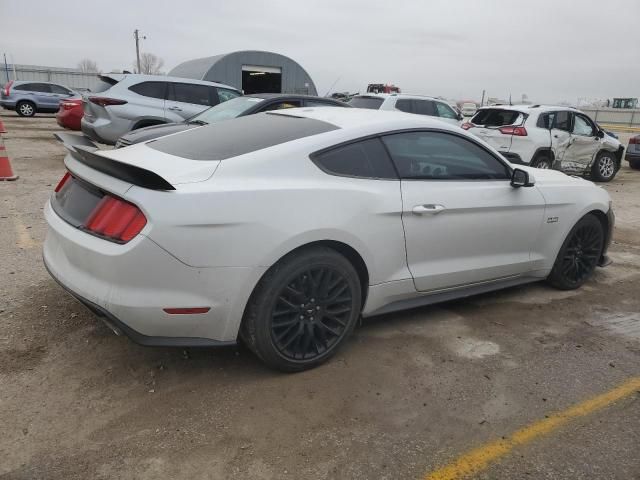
(409, 393)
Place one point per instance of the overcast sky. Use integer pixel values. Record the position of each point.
(550, 50)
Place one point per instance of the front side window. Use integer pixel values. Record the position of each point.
(424, 107)
(224, 94)
(40, 87)
(282, 105)
(364, 159)
(582, 126)
(442, 156)
(190, 93)
(562, 121)
(150, 89)
(445, 111)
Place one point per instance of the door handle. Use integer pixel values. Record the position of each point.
(175, 109)
(428, 209)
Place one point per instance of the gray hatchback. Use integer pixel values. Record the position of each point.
(125, 102)
(29, 97)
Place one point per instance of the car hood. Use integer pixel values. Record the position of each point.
(155, 131)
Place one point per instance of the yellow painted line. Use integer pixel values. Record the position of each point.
(480, 458)
(24, 239)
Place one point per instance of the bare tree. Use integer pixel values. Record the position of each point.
(150, 63)
(87, 65)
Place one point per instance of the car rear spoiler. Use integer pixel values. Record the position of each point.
(84, 151)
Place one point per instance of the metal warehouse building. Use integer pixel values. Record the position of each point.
(251, 71)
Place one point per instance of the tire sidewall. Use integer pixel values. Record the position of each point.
(595, 169)
(555, 277)
(19, 109)
(265, 297)
(543, 159)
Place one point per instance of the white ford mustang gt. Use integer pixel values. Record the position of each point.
(281, 229)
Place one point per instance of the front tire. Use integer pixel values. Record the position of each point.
(578, 255)
(604, 167)
(26, 109)
(543, 161)
(303, 309)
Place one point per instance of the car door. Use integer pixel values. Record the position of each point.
(43, 97)
(583, 146)
(464, 222)
(560, 134)
(184, 100)
(446, 113)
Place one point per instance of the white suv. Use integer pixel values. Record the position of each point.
(418, 104)
(562, 138)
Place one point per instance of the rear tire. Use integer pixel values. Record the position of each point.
(604, 167)
(542, 161)
(303, 309)
(578, 255)
(26, 109)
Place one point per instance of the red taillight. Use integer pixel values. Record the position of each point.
(467, 125)
(69, 104)
(105, 102)
(7, 87)
(516, 131)
(65, 178)
(634, 140)
(115, 219)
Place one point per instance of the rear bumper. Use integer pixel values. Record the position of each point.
(632, 157)
(8, 104)
(129, 285)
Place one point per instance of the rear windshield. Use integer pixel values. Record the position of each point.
(496, 117)
(239, 136)
(224, 111)
(372, 103)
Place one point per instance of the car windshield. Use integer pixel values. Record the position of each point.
(224, 111)
(496, 117)
(372, 103)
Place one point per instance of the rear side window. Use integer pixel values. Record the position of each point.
(224, 94)
(60, 90)
(39, 87)
(150, 89)
(404, 105)
(24, 86)
(372, 103)
(190, 93)
(238, 136)
(364, 159)
(423, 107)
(496, 117)
(545, 120)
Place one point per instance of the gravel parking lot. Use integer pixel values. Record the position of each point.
(411, 392)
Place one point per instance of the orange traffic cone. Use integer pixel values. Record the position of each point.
(6, 172)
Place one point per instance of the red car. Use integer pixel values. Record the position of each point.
(70, 113)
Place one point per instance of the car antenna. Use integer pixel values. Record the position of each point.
(331, 87)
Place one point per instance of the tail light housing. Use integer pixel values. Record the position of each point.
(69, 104)
(634, 140)
(512, 130)
(467, 125)
(105, 101)
(7, 87)
(111, 217)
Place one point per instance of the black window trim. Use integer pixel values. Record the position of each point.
(313, 155)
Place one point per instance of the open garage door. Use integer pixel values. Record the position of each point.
(258, 79)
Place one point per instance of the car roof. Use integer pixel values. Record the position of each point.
(530, 108)
(141, 77)
(269, 96)
(400, 95)
(347, 118)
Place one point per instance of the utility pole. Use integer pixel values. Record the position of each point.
(482, 101)
(136, 35)
(6, 67)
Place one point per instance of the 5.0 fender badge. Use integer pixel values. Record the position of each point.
(552, 220)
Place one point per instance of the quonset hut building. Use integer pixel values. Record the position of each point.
(251, 71)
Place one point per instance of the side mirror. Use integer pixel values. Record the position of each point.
(599, 134)
(520, 178)
(460, 117)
